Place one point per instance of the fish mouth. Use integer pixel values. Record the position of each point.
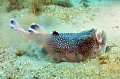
(99, 35)
(100, 41)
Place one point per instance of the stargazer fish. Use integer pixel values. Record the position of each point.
(69, 47)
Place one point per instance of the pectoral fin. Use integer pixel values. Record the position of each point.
(36, 28)
(17, 27)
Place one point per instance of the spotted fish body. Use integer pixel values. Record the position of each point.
(71, 47)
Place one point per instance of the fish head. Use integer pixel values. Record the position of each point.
(91, 43)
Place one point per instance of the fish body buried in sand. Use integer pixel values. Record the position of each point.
(69, 47)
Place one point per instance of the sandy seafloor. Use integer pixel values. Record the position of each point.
(103, 15)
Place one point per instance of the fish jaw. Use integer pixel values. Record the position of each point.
(100, 42)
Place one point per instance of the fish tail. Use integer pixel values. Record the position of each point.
(17, 27)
